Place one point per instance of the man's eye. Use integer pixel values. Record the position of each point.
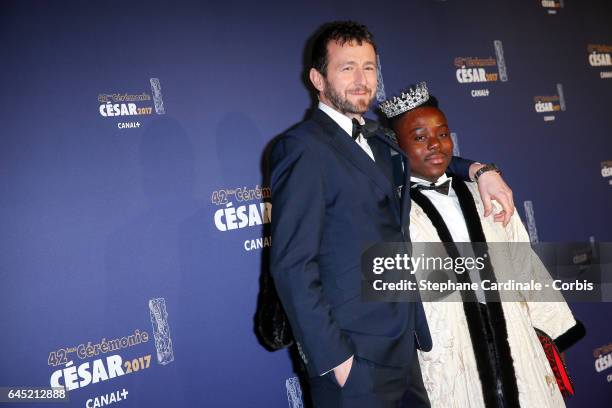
(419, 138)
(349, 68)
(444, 135)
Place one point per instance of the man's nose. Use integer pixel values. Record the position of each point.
(360, 77)
(433, 143)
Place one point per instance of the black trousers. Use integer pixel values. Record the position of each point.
(369, 385)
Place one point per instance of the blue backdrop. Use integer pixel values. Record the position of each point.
(132, 204)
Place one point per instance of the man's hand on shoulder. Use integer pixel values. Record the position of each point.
(493, 187)
(343, 370)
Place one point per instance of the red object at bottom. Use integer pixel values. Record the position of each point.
(556, 363)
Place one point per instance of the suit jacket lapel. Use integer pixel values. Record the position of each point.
(382, 155)
(401, 172)
(355, 154)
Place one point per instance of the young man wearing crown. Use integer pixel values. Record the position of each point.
(485, 352)
(333, 194)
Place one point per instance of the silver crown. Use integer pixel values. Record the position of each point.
(407, 100)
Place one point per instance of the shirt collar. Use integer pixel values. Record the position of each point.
(343, 121)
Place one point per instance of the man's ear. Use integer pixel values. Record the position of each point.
(317, 79)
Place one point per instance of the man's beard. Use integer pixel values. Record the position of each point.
(343, 105)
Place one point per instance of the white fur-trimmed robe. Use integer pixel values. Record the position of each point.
(449, 370)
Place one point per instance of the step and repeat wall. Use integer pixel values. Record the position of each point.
(133, 199)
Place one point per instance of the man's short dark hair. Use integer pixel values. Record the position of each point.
(341, 32)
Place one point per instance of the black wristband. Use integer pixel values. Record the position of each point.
(484, 169)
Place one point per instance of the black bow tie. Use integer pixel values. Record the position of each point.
(357, 129)
(367, 130)
(442, 188)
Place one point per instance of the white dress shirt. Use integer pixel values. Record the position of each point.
(448, 207)
(346, 123)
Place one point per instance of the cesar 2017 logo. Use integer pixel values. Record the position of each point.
(552, 6)
(600, 56)
(475, 70)
(124, 104)
(550, 104)
(257, 213)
